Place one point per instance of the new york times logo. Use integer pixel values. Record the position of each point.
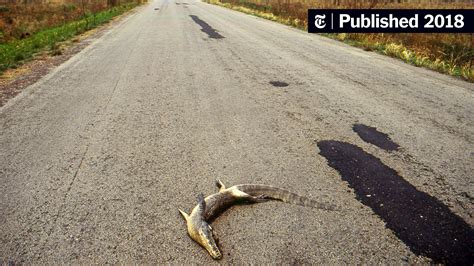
(391, 20)
(319, 21)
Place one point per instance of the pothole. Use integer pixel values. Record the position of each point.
(279, 84)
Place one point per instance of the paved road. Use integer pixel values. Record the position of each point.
(97, 156)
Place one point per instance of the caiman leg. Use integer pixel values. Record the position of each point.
(243, 195)
(220, 185)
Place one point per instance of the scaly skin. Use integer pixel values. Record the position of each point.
(200, 231)
(210, 207)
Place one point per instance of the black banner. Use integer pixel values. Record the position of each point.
(391, 20)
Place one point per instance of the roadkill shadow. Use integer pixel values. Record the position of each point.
(206, 28)
(421, 221)
(375, 137)
(278, 84)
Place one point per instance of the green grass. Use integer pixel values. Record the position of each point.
(14, 53)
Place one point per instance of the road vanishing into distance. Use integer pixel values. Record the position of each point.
(97, 157)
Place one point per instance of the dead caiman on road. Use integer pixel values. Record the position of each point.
(210, 207)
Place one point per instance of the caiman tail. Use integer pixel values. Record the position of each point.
(284, 195)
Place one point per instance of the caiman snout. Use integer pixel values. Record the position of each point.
(200, 231)
(206, 239)
(215, 253)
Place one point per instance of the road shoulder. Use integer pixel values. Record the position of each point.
(14, 81)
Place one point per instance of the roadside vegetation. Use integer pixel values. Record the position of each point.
(32, 27)
(447, 53)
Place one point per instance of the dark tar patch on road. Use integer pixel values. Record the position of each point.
(375, 137)
(206, 28)
(421, 221)
(279, 84)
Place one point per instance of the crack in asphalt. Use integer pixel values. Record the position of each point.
(69, 187)
(97, 114)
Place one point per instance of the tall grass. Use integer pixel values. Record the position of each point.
(15, 51)
(448, 53)
(22, 18)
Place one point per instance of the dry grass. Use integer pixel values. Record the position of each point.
(447, 53)
(19, 20)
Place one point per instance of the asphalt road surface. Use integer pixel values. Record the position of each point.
(97, 157)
